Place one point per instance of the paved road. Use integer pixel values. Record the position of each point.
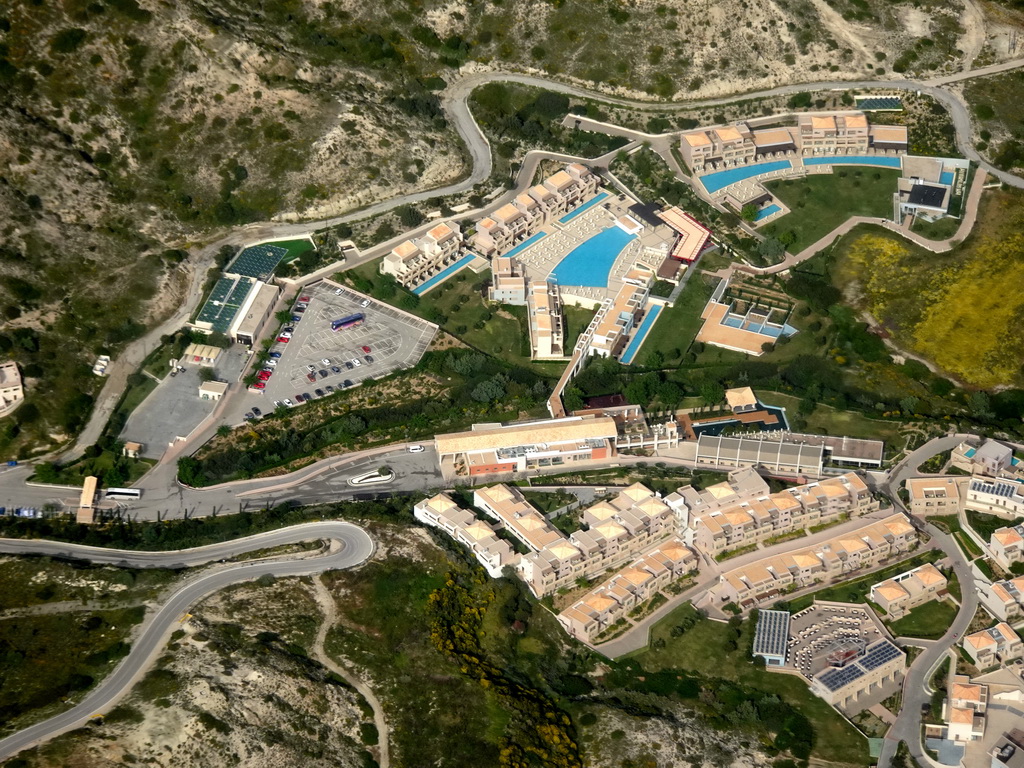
(353, 546)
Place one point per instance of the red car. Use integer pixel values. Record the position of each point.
(263, 375)
(304, 299)
(283, 339)
(367, 350)
(260, 385)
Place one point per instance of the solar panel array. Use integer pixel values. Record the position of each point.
(879, 654)
(772, 633)
(258, 261)
(880, 103)
(224, 302)
(1006, 490)
(834, 679)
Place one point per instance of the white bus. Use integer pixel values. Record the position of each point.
(122, 494)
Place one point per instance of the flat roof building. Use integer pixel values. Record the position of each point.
(201, 354)
(881, 663)
(253, 314)
(771, 638)
(547, 328)
(934, 495)
(212, 390)
(11, 391)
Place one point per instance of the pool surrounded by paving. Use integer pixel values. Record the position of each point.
(586, 206)
(887, 162)
(589, 263)
(764, 213)
(947, 177)
(641, 333)
(721, 179)
(440, 277)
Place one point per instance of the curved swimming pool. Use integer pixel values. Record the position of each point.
(589, 263)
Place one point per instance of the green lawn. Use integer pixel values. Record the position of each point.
(678, 324)
(928, 621)
(705, 649)
(576, 321)
(936, 230)
(825, 419)
(820, 203)
(295, 248)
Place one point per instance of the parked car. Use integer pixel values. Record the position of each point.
(288, 402)
(283, 339)
(256, 411)
(299, 398)
(271, 363)
(263, 375)
(329, 387)
(249, 417)
(260, 385)
(348, 364)
(310, 367)
(307, 396)
(415, 449)
(311, 376)
(326, 361)
(337, 291)
(304, 299)
(300, 309)
(336, 369)
(289, 329)
(278, 403)
(368, 358)
(346, 383)
(364, 303)
(296, 318)
(323, 373)
(275, 355)
(366, 349)
(318, 392)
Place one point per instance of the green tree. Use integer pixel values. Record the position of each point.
(712, 393)
(749, 212)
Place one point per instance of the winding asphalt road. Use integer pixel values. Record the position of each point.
(351, 547)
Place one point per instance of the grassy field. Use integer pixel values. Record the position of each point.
(819, 204)
(295, 248)
(928, 621)
(856, 591)
(825, 419)
(677, 325)
(705, 649)
(576, 321)
(936, 230)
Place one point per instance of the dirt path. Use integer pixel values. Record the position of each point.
(326, 603)
(973, 39)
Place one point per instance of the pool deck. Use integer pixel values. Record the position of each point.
(440, 277)
(714, 331)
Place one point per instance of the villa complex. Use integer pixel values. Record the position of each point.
(1007, 545)
(964, 710)
(994, 645)
(901, 593)
(413, 261)
(770, 577)
(830, 133)
(463, 526)
(1005, 599)
(523, 217)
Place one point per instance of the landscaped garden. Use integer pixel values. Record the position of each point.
(928, 621)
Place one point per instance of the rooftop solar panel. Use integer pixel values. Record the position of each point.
(878, 655)
(834, 679)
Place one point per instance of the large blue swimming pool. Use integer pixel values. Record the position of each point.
(888, 162)
(722, 179)
(589, 263)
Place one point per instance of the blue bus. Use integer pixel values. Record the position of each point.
(347, 322)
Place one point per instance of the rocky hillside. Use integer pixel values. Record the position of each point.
(131, 129)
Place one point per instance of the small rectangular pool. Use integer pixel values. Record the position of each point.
(527, 243)
(641, 333)
(886, 162)
(764, 213)
(585, 207)
(722, 179)
(440, 277)
(947, 177)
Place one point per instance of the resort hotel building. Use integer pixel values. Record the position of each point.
(992, 646)
(414, 261)
(898, 595)
(815, 133)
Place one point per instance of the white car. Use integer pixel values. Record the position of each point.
(415, 449)
(326, 361)
(310, 367)
(288, 402)
(365, 303)
(355, 362)
(271, 363)
(278, 403)
(337, 291)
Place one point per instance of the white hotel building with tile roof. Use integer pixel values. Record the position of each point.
(994, 645)
(414, 261)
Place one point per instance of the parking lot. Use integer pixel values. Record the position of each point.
(395, 340)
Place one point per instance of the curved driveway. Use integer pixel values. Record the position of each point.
(353, 547)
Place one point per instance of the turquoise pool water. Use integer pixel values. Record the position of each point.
(722, 179)
(947, 177)
(586, 206)
(888, 162)
(589, 263)
(527, 243)
(641, 333)
(735, 321)
(440, 277)
(764, 213)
